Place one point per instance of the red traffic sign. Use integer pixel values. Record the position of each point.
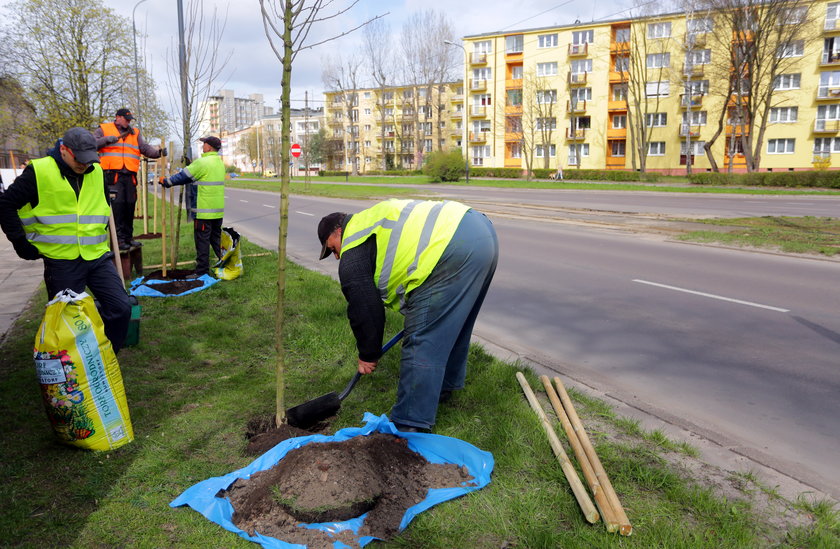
(295, 148)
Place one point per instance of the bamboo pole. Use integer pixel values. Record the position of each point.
(578, 489)
(145, 201)
(598, 493)
(157, 171)
(14, 162)
(171, 213)
(115, 245)
(177, 244)
(625, 528)
(163, 243)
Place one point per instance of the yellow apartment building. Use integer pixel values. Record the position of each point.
(376, 129)
(650, 93)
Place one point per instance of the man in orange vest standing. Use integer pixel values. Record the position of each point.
(120, 147)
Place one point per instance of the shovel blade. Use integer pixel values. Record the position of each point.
(311, 412)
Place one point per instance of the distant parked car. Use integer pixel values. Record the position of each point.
(233, 175)
(269, 173)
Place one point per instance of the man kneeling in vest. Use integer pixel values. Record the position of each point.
(57, 209)
(208, 173)
(433, 262)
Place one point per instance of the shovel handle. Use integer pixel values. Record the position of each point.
(352, 382)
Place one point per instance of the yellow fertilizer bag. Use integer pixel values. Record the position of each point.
(230, 265)
(79, 375)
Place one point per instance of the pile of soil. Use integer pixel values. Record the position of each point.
(177, 284)
(333, 481)
(262, 434)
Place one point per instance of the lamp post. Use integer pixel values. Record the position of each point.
(136, 69)
(464, 133)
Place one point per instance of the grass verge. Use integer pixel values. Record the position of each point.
(205, 365)
(815, 235)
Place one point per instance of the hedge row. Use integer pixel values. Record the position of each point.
(570, 173)
(822, 179)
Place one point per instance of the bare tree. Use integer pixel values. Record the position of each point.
(342, 76)
(287, 25)
(379, 58)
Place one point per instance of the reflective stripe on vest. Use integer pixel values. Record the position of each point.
(62, 225)
(411, 235)
(125, 153)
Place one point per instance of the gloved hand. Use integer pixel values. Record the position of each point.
(111, 139)
(164, 182)
(163, 151)
(26, 250)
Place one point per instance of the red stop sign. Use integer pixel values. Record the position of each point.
(295, 149)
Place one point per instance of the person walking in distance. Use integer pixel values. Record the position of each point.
(120, 148)
(208, 173)
(433, 262)
(57, 210)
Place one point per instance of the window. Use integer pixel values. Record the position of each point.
(580, 66)
(481, 126)
(832, 14)
(367, 143)
(547, 123)
(828, 112)
(514, 98)
(700, 24)
(695, 118)
(367, 127)
(619, 92)
(484, 46)
(513, 124)
(546, 96)
(698, 57)
(784, 114)
(547, 69)
(658, 30)
(483, 73)
(547, 40)
(827, 145)
(657, 89)
(516, 72)
(578, 95)
(829, 84)
(550, 149)
(573, 152)
(658, 60)
(619, 121)
(697, 148)
(781, 146)
(515, 150)
(794, 16)
(697, 87)
(583, 37)
(408, 94)
(618, 148)
(656, 148)
(514, 43)
(622, 63)
(622, 35)
(831, 50)
(656, 119)
(482, 100)
(367, 111)
(794, 48)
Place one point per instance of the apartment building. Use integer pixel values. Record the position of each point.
(651, 93)
(393, 127)
(224, 113)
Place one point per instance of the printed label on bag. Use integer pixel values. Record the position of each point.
(50, 371)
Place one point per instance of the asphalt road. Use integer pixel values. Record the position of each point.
(741, 347)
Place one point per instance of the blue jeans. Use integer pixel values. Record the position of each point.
(439, 319)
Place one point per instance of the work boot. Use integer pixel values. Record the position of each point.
(445, 396)
(136, 243)
(410, 428)
(124, 246)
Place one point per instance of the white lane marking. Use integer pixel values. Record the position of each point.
(245, 201)
(304, 213)
(269, 206)
(713, 296)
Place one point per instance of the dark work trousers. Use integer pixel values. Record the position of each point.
(207, 233)
(123, 191)
(100, 275)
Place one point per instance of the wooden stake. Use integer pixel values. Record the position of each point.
(163, 242)
(145, 201)
(578, 489)
(625, 528)
(601, 500)
(115, 245)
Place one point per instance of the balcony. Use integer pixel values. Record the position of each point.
(828, 93)
(697, 40)
(478, 58)
(691, 69)
(826, 126)
(478, 85)
(576, 107)
(478, 137)
(830, 58)
(456, 114)
(578, 50)
(690, 101)
(831, 25)
(687, 130)
(513, 137)
(577, 78)
(576, 135)
(478, 111)
(619, 47)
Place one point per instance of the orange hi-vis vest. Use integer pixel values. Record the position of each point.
(125, 153)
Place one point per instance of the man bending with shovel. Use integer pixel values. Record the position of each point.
(433, 262)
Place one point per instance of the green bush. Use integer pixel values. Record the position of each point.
(444, 166)
(822, 179)
(394, 172)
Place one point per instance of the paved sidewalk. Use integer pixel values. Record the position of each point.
(19, 279)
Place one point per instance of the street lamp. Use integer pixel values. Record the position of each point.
(464, 140)
(136, 69)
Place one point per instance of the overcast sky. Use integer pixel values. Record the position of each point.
(253, 68)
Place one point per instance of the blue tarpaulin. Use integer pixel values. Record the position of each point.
(434, 448)
(146, 288)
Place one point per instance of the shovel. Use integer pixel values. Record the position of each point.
(311, 412)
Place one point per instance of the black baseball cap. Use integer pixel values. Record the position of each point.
(213, 141)
(327, 225)
(82, 143)
(125, 113)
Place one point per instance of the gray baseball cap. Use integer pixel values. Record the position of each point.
(82, 143)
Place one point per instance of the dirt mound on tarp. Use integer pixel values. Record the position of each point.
(335, 481)
(173, 285)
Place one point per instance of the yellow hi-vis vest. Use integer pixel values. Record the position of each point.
(125, 153)
(208, 173)
(62, 225)
(411, 235)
